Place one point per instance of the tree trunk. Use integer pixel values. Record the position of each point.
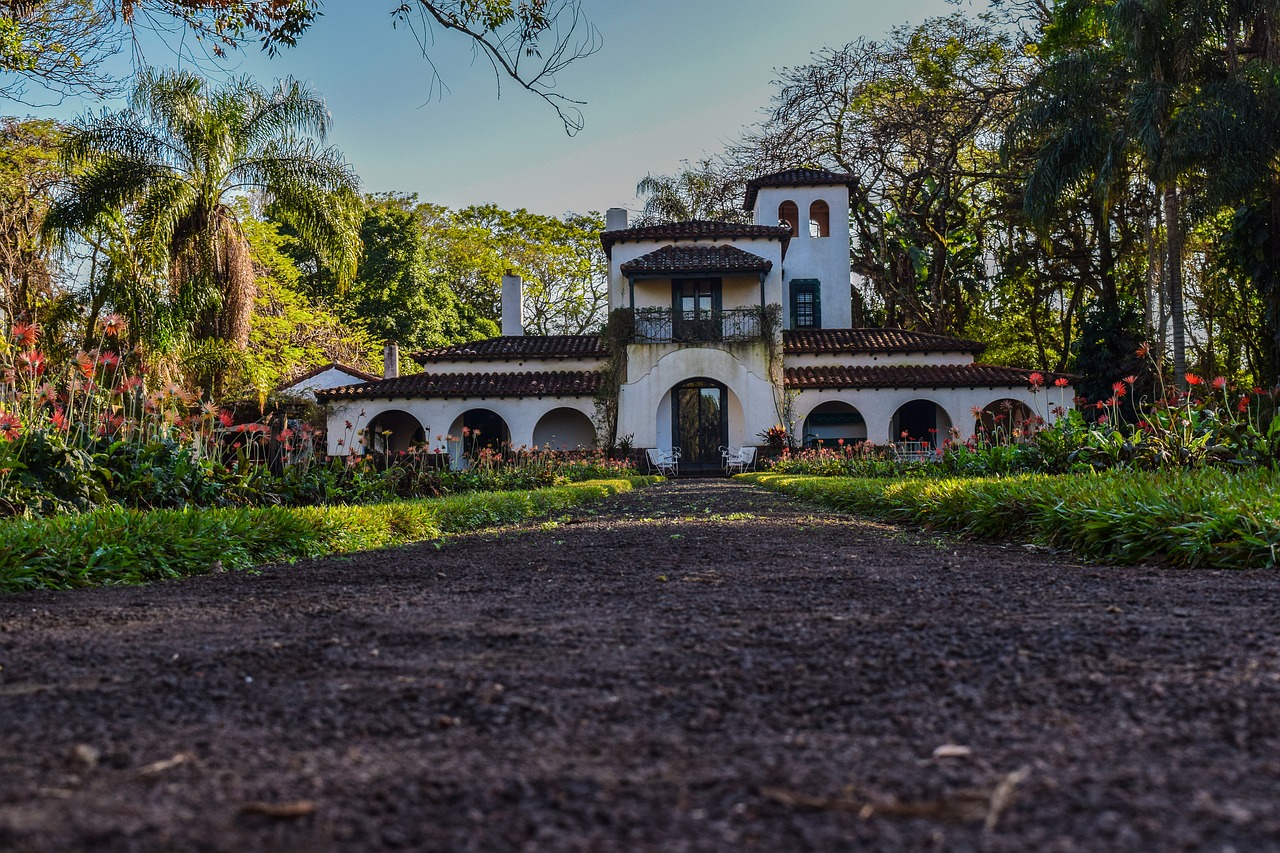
(1173, 237)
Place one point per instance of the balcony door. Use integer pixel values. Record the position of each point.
(696, 309)
(701, 421)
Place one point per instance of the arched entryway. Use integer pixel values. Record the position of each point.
(700, 422)
(394, 431)
(564, 429)
(1004, 421)
(832, 421)
(920, 420)
(481, 428)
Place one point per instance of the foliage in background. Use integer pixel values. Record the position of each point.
(560, 259)
(174, 163)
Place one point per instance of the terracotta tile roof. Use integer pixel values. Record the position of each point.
(697, 229)
(517, 348)
(697, 259)
(555, 383)
(794, 178)
(316, 371)
(913, 376)
(872, 340)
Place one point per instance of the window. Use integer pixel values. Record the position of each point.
(806, 304)
(819, 219)
(696, 309)
(789, 215)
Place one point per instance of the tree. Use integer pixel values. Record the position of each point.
(914, 119)
(560, 259)
(290, 334)
(705, 190)
(177, 159)
(60, 45)
(30, 176)
(397, 295)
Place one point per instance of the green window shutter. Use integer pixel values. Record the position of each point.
(806, 304)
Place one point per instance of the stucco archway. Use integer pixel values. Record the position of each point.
(1003, 421)
(829, 422)
(481, 428)
(394, 431)
(564, 429)
(920, 420)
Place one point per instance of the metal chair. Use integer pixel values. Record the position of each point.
(739, 459)
(665, 462)
(913, 451)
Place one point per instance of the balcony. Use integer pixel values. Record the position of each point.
(664, 326)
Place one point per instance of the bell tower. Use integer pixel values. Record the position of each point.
(814, 203)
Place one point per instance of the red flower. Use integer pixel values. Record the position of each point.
(9, 426)
(1220, 382)
(1192, 379)
(225, 418)
(1130, 379)
(59, 419)
(1120, 389)
(1061, 382)
(1144, 350)
(109, 360)
(84, 361)
(1036, 379)
(30, 362)
(25, 334)
(1243, 405)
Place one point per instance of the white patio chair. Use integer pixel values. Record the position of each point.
(665, 462)
(739, 459)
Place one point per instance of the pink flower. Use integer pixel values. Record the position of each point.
(112, 325)
(9, 426)
(1220, 382)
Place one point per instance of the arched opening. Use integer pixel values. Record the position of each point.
(564, 429)
(479, 429)
(789, 215)
(920, 420)
(832, 422)
(819, 219)
(394, 431)
(699, 421)
(1004, 421)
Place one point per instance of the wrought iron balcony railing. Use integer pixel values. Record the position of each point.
(665, 326)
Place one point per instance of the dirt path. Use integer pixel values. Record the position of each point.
(697, 666)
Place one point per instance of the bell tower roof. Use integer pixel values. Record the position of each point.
(801, 177)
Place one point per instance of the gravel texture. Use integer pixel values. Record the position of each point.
(700, 665)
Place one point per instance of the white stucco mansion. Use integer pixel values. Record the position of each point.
(725, 330)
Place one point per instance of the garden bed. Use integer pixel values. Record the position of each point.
(133, 546)
(1203, 518)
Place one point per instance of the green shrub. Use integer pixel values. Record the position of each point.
(120, 546)
(1200, 518)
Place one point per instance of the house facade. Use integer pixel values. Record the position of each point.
(718, 332)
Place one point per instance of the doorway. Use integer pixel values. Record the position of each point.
(700, 426)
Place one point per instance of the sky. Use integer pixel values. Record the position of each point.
(673, 81)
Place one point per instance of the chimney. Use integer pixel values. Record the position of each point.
(615, 219)
(512, 306)
(391, 360)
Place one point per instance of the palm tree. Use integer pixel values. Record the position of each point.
(178, 158)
